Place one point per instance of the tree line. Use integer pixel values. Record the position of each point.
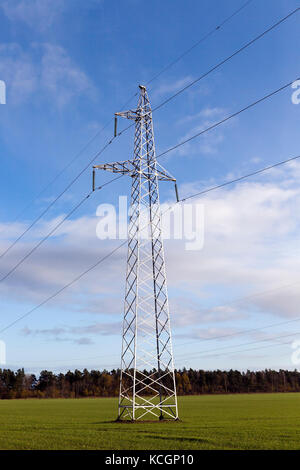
(95, 383)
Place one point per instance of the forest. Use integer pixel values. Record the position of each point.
(95, 383)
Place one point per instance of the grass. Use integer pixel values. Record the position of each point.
(260, 421)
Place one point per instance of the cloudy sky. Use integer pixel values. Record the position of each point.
(68, 66)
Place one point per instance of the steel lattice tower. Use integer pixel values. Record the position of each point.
(147, 383)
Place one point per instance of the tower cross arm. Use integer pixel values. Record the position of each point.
(127, 114)
(116, 167)
(129, 166)
(163, 174)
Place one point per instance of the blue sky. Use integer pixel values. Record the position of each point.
(68, 66)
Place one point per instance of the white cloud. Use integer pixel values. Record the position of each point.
(19, 73)
(205, 113)
(210, 141)
(209, 333)
(74, 333)
(43, 71)
(37, 14)
(168, 87)
(243, 225)
(255, 160)
(251, 246)
(187, 312)
(60, 76)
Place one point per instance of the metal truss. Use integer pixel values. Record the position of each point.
(147, 382)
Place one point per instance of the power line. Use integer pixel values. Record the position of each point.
(212, 338)
(160, 155)
(124, 130)
(195, 355)
(242, 332)
(54, 229)
(163, 103)
(261, 347)
(180, 201)
(58, 174)
(251, 349)
(99, 262)
(231, 116)
(240, 178)
(81, 151)
(227, 59)
(60, 195)
(217, 28)
(164, 153)
(200, 41)
(56, 177)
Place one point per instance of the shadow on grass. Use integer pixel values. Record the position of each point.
(179, 439)
(149, 435)
(163, 421)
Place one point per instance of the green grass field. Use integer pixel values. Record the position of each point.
(262, 421)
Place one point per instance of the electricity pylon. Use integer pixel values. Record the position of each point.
(147, 383)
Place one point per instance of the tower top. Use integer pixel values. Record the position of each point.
(142, 87)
